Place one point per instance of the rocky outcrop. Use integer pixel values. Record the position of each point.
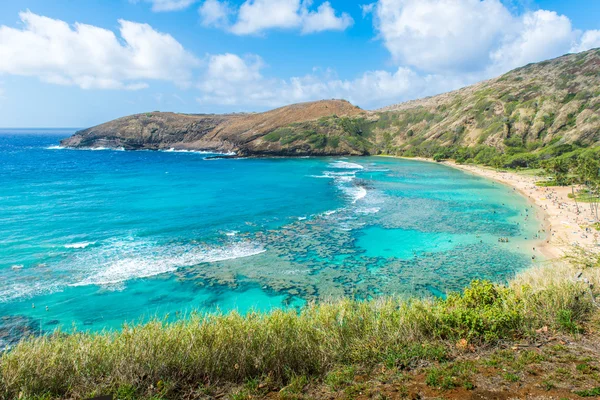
(243, 134)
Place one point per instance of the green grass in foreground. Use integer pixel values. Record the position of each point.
(170, 360)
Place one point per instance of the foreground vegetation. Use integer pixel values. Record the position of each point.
(326, 343)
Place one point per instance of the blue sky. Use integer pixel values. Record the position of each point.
(79, 63)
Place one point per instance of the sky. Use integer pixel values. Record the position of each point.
(67, 63)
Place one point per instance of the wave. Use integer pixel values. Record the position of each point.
(335, 175)
(81, 245)
(368, 210)
(344, 180)
(115, 263)
(345, 165)
(156, 261)
(174, 150)
(86, 148)
(355, 192)
(103, 148)
(379, 170)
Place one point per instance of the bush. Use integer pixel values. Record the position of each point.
(484, 312)
(272, 137)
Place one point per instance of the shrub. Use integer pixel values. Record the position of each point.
(272, 137)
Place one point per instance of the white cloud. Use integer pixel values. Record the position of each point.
(215, 13)
(167, 5)
(324, 19)
(441, 35)
(92, 57)
(589, 40)
(237, 82)
(257, 16)
(538, 36)
(472, 36)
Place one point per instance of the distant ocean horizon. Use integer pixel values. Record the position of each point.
(39, 131)
(92, 239)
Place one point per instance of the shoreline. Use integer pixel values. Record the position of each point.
(560, 218)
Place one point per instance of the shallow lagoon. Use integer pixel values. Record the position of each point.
(96, 238)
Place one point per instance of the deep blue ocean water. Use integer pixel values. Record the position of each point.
(91, 239)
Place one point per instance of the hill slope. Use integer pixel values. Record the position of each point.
(536, 105)
(539, 106)
(241, 133)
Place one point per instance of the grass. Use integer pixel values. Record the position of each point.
(287, 348)
(451, 375)
(595, 392)
(586, 198)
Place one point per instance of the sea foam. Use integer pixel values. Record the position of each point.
(81, 245)
(345, 165)
(116, 262)
(143, 260)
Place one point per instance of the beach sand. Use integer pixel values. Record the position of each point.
(566, 225)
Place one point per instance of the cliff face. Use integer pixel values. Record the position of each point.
(240, 133)
(555, 101)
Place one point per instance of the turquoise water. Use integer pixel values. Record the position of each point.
(94, 238)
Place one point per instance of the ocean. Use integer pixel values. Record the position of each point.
(91, 239)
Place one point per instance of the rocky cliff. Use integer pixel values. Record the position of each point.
(244, 134)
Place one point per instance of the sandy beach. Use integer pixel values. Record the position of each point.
(566, 223)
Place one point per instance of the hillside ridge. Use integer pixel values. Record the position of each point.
(242, 133)
(549, 103)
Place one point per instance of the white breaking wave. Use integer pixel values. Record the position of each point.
(85, 148)
(355, 192)
(116, 263)
(345, 165)
(173, 150)
(368, 210)
(156, 261)
(344, 180)
(335, 175)
(81, 245)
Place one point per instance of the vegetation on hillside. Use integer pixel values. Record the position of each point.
(555, 100)
(330, 134)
